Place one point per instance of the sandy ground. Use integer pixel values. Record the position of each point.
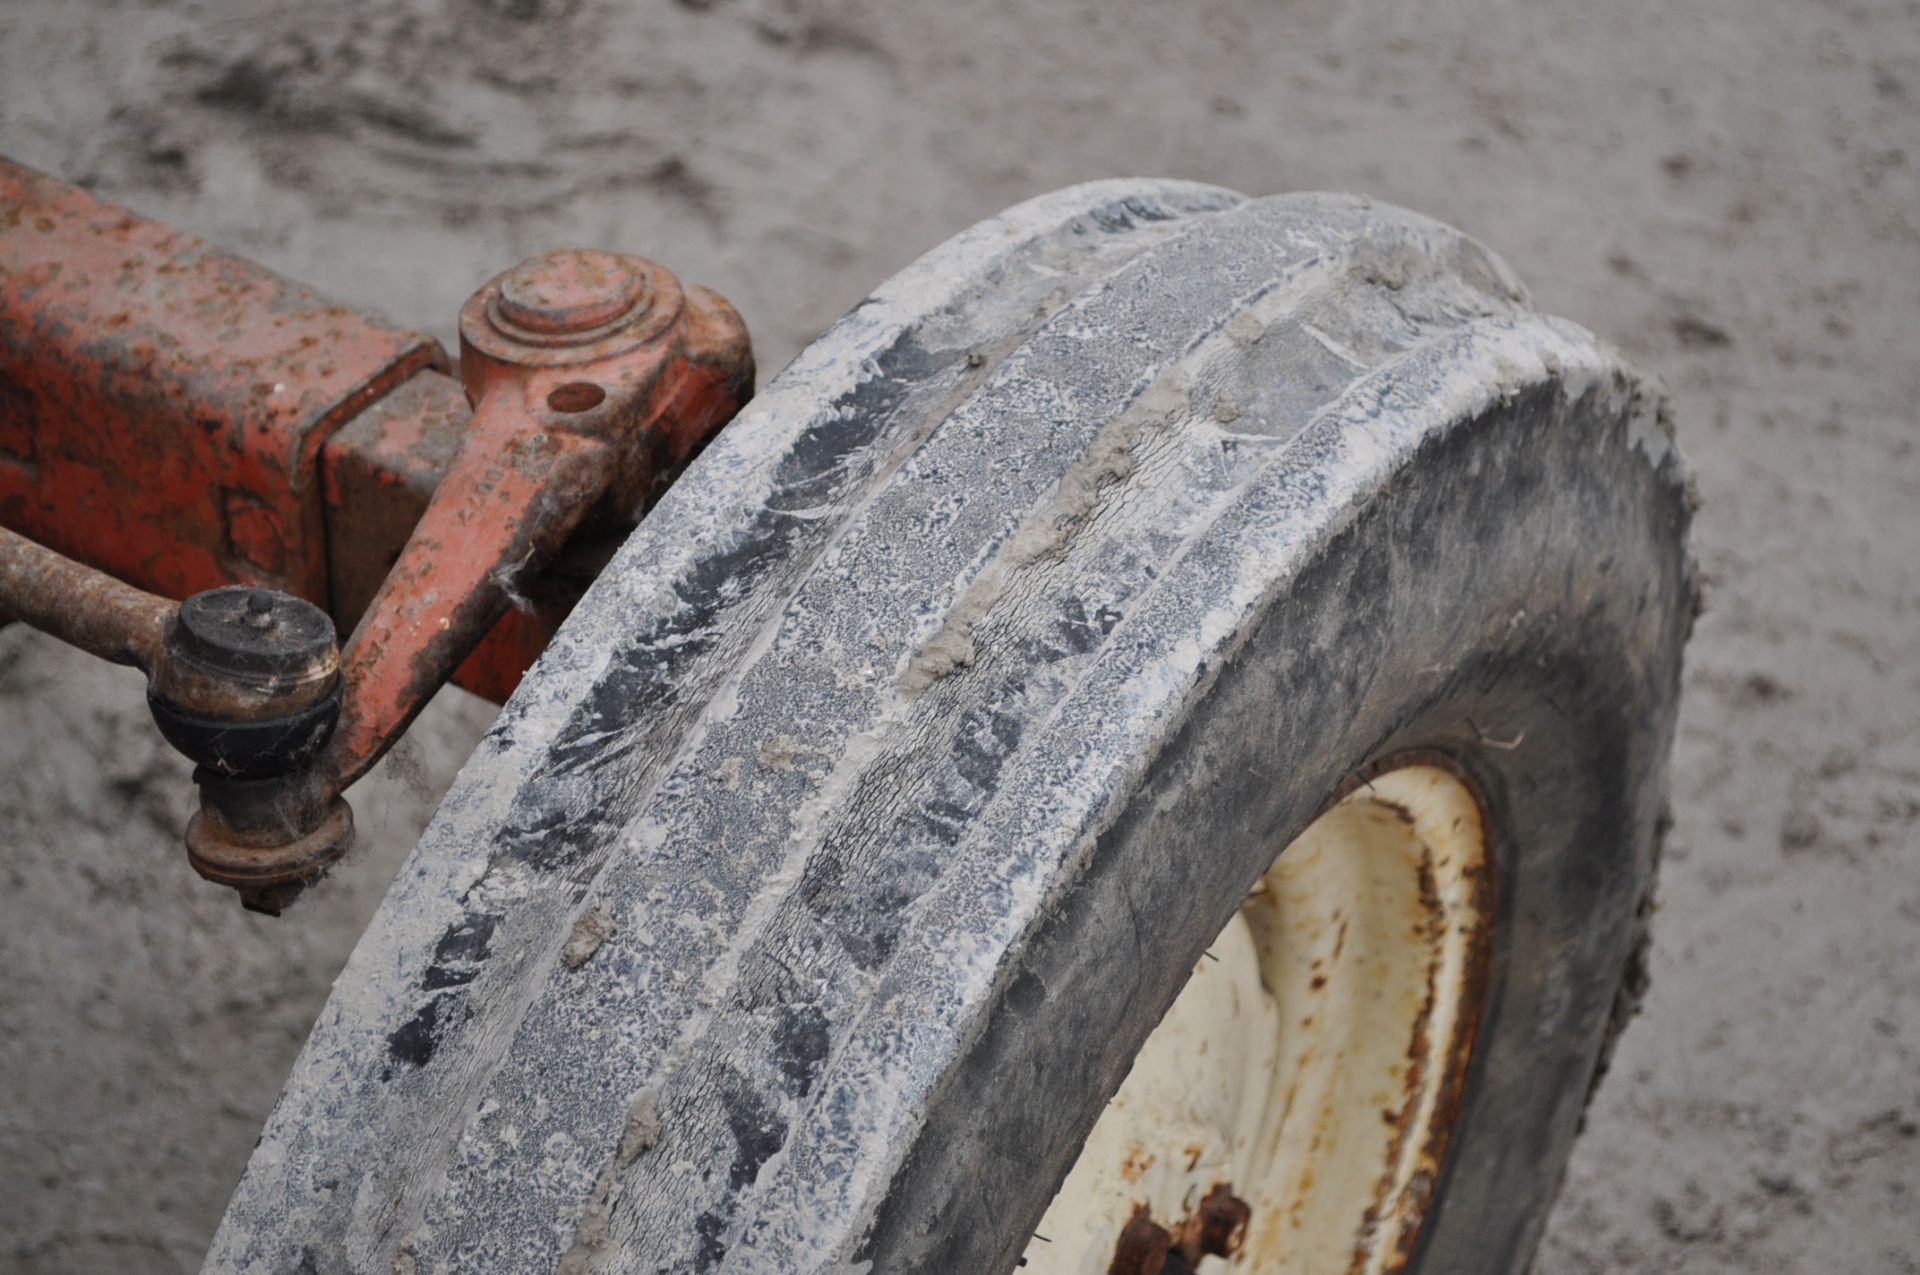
(1729, 189)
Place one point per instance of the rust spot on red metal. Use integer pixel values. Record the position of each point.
(163, 404)
(183, 419)
(382, 469)
(380, 472)
(509, 501)
(541, 458)
(567, 293)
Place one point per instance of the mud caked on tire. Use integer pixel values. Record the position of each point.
(810, 902)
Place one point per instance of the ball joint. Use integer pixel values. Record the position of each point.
(248, 682)
(247, 687)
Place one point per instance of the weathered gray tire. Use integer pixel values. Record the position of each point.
(805, 906)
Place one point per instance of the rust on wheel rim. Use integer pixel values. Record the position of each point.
(1291, 1113)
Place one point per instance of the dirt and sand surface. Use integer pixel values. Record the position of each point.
(1729, 189)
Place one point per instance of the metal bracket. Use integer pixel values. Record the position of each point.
(187, 422)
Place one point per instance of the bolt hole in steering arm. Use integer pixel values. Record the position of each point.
(176, 422)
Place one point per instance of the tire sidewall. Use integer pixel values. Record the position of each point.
(1464, 612)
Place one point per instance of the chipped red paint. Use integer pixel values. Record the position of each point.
(163, 404)
(579, 418)
(181, 419)
(379, 472)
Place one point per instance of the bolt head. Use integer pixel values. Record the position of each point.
(571, 292)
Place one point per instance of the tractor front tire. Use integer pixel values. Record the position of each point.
(814, 904)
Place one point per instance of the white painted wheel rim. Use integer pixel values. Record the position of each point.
(1311, 1066)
